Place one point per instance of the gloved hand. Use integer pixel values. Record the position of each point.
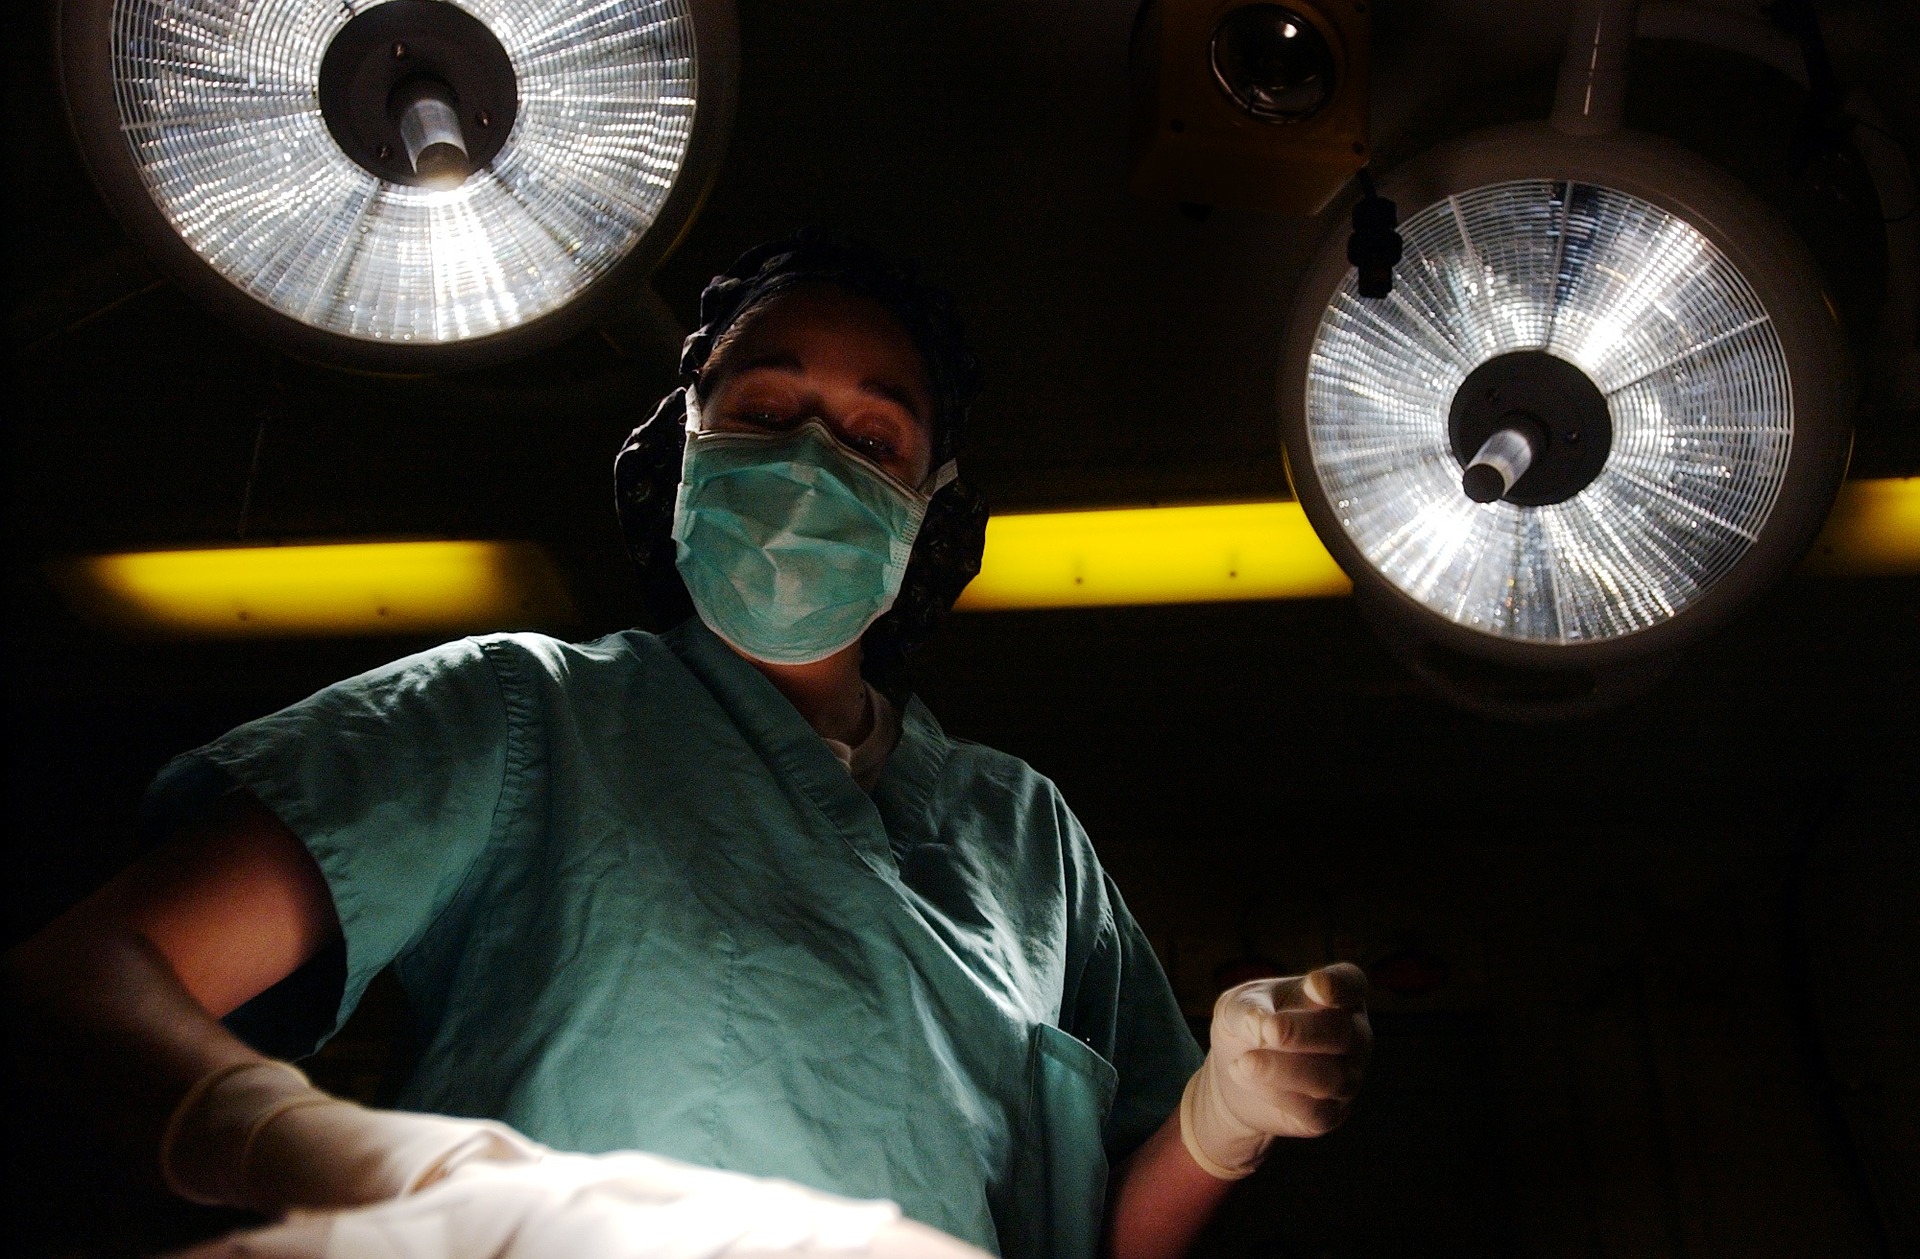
(1286, 1058)
(610, 1206)
(260, 1136)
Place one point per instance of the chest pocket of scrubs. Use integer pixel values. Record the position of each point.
(1060, 1173)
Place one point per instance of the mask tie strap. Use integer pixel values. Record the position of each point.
(941, 477)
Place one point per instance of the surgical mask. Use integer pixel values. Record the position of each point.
(790, 544)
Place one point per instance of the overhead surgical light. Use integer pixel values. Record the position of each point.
(1604, 404)
(407, 185)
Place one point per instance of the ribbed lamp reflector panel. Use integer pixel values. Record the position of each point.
(1670, 332)
(219, 102)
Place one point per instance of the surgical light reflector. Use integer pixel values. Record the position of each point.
(1603, 406)
(239, 131)
(333, 589)
(1646, 308)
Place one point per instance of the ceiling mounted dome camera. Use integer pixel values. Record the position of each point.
(1249, 103)
(1603, 405)
(1273, 63)
(410, 185)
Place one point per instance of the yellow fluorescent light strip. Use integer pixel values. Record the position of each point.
(1048, 560)
(1269, 551)
(1873, 531)
(337, 589)
(1152, 555)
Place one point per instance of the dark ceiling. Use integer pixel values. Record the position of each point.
(1673, 936)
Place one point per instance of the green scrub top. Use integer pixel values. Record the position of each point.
(636, 903)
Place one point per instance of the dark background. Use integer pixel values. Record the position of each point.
(1658, 967)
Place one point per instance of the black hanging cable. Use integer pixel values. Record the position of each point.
(1824, 132)
(1375, 246)
(253, 474)
(1824, 128)
(1799, 973)
(267, 413)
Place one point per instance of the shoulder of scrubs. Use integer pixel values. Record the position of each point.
(1114, 997)
(393, 779)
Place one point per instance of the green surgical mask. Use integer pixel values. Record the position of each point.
(790, 544)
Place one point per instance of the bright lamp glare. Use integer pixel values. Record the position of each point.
(1694, 378)
(220, 107)
(340, 589)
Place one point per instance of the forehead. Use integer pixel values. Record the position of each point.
(826, 329)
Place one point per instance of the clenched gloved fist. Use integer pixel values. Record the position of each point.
(1286, 1060)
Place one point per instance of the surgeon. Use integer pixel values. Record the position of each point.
(716, 943)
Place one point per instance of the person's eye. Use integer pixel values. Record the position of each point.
(760, 418)
(874, 448)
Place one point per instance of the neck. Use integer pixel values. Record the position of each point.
(829, 694)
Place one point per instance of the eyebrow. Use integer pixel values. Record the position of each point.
(878, 388)
(774, 359)
(897, 395)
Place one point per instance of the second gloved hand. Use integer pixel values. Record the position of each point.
(258, 1135)
(1286, 1059)
(609, 1206)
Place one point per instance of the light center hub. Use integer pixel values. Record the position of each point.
(1559, 411)
(418, 92)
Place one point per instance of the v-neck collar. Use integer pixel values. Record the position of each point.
(904, 793)
(801, 758)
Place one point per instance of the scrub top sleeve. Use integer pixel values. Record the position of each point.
(392, 780)
(1126, 1010)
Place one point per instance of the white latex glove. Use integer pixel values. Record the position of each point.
(260, 1136)
(1286, 1058)
(610, 1206)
